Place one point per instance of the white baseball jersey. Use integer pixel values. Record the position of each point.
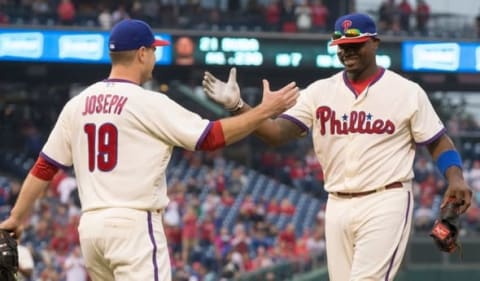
(367, 141)
(119, 138)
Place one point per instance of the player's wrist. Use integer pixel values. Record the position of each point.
(448, 159)
(239, 105)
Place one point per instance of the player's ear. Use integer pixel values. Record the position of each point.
(141, 54)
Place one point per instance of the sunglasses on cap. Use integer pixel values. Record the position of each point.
(351, 33)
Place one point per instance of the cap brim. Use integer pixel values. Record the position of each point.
(159, 42)
(347, 40)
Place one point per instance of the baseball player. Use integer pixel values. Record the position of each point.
(365, 122)
(119, 138)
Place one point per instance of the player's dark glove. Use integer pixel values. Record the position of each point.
(446, 227)
(8, 256)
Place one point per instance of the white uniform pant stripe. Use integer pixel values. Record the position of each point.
(407, 212)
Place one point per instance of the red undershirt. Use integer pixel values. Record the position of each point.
(359, 86)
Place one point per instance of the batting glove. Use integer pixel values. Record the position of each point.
(226, 94)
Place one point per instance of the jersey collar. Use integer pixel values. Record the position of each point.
(374, 79)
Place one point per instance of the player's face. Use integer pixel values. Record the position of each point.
(358, 58)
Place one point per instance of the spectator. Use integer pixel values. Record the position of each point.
(172, 214)
(247, 208)
(259, 237)
(405, 12)
(189, 232)
(422, 168)
(301, 248)
(4, 18)
(287, 16)
(320, 15)
(386, 15)
(66, 12)
(59, 243)
(15, 187)
(298, 175)
(262, 259)
(287, 238)
(74, 266)
(174, 238)
(316, 243)
(120, 14)
(223, 243)
(424, 216)
(231, 268)
(71, 232)
(472, 218)
(49, 274)
(240, 240)
(423, 15)
(303, 13)
(33, 140)
(473, 175)
(227, 198)
(40, 8)
(105, 18)
(65, 187)
(287, 208)
(273, 208)
(253, 14)
(151, 10)
(210, 203)
(207, 231)
(237, 181)
(269, 162)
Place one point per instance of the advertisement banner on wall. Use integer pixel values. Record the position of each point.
(64, 46)
(457, 57)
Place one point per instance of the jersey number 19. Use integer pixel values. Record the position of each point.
(102, 146)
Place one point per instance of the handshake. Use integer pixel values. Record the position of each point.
(227, 93)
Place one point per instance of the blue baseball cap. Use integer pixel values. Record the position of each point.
(130, 34)
(353, 28)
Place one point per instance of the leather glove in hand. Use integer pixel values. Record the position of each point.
(226, 94)
(446, 227)
(8, 256)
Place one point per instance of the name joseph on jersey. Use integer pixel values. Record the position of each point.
(104, 104)
(356, 122)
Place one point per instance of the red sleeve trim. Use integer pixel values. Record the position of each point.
(43, 169)
(215, 138)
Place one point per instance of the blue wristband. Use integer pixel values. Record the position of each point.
(448, 159)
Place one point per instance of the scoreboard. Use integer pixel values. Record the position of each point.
(262, 50)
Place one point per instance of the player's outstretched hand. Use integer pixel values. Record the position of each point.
(276, 102)
(226, 94)
(462, 194)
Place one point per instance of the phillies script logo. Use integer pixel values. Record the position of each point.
(356, 122)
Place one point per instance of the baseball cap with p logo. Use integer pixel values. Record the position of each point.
(130, 34)
(353, 28)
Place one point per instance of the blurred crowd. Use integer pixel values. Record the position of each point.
(397, 17)
(278, 15)
(202, 244)
(402, 17)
